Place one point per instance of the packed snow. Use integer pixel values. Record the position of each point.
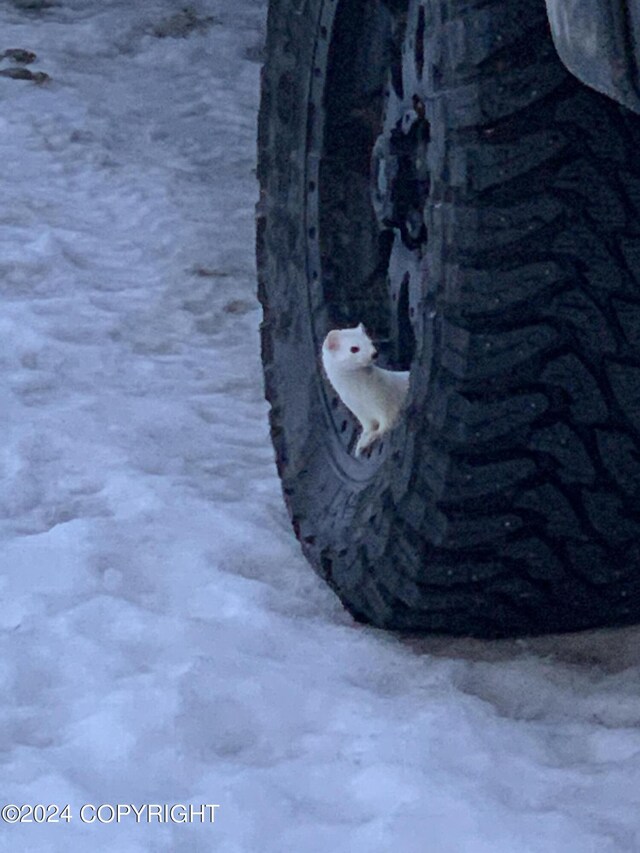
(163, 641)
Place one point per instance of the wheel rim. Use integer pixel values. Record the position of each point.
(365, 242)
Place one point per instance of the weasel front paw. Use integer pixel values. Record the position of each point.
(367, 438)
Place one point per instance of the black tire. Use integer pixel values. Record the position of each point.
(507, 500)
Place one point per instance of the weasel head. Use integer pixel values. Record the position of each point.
(348, 349)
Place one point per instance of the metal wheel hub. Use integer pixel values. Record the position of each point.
(400, 177)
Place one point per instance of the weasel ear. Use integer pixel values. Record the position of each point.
(332, 341)
(362, 329)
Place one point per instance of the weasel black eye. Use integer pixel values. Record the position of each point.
(355, 349)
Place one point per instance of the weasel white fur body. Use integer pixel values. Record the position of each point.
(374, 395)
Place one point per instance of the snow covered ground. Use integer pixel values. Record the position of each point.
(162, 640)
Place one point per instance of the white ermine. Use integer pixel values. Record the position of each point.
(375, 396)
